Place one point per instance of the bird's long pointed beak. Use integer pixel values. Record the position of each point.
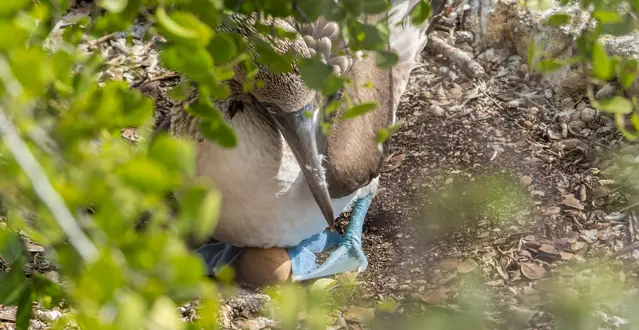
(298, 130)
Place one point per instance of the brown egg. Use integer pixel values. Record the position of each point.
(264, 266)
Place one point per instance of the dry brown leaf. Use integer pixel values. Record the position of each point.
(547, 248)
(494, 283)
(532, 270)
(552, 210)
(359, 314)
(566, 255)
(394, 162)
(576, 246)
(571, 201)
(437, 296)
(448, 264)
(467, 266)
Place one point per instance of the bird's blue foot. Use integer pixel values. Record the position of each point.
(348, 256)
(218, 255)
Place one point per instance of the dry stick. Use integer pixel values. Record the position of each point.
(469, 66)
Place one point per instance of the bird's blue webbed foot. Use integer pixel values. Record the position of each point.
(348, 256)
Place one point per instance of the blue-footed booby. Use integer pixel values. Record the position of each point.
(285, 181)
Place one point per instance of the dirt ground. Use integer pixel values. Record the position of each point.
(496, 189)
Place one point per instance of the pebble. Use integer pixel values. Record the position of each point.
(464, 37)
(514, 104)
(436, 110)
(588, 115)
(525, 180)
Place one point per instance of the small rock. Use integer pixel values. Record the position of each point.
(467, 266)
(520, 315)
(359, 314)
(464, 37)
(588, 115)
(455, 91)
(523, 69)
(341, 322)
(436, 110)
(437, 296)
(525, 180)
(607, 91)
(45, 315)
(448, 264)
(576, 246)
(589, 236)
(576, 126)
(514, 104)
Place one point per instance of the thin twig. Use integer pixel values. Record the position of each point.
(44, 190)
(38, 177)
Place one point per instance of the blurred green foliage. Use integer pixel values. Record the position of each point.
(113, 276)
(594, 22)
(77, 188)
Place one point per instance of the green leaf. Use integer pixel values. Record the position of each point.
(174, 153)
(607, 17)
(531, 54)
(359, 110)
(627, 73)
(621, 125)
(194, 62)
(603, 68)
(367, 36)
(12, 286)
(386, 59)
(421, 12)
(323, 285)
(634, 119)
(617, 104)
(46, 291)
(547, 66)
(200, 207)
(382, 135)
(25, 309)
(204, 110)
(32, 67)
(183, 27)
(353, 7)
(114, 6)
(180, 91)
(222, 48)
(318, 76)
(14, 35)
(146, 174)
(12, 248)
(371, 7)
(276, 63)
(8, 7)
(218, 131)
(131, 312)
(559, 19)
